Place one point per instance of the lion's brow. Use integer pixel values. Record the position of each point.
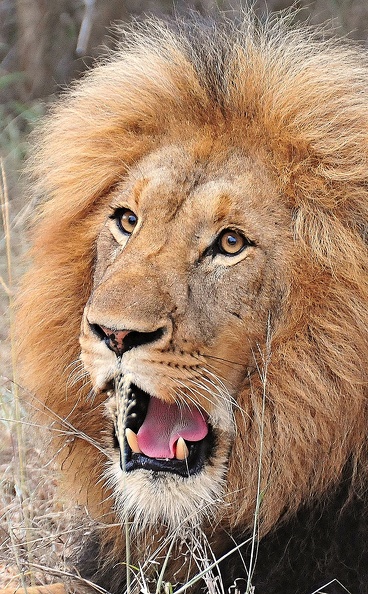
(138, 188)
(222, 207)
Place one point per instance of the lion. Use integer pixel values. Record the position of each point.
(193, 324)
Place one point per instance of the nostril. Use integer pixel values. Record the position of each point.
(136, 339)
(114, 339)
(121, 341)
(97, 331)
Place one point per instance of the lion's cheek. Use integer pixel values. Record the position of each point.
(98, 361)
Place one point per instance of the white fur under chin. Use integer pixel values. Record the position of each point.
(150, 498)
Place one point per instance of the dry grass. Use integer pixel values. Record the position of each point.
(34, 527)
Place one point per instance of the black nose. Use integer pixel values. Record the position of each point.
(121, 341)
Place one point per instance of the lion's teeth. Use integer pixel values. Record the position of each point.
(182, 451)
(132, 441)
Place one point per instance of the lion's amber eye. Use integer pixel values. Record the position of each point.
(231, 242)
(126, 220)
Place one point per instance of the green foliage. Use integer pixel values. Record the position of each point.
(16, 120)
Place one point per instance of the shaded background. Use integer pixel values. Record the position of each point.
(44, 44)
(49, 42)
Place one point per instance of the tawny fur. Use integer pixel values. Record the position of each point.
(297, 106)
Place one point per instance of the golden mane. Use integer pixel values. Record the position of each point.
(301, 103)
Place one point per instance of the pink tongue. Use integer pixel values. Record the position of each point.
(165, 423)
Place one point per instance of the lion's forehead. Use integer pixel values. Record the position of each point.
(175, 188)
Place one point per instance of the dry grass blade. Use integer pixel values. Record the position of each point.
(21, 481)
(32, 525)
(123, 406)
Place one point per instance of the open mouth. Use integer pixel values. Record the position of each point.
(162, 437)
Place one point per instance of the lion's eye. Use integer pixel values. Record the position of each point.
(231, 242)
(126, 220)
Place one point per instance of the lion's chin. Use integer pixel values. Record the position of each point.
(147, 498)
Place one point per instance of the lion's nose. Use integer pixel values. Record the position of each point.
(121, 341)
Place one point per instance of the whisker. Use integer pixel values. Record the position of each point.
(210, 366)
(218, 381)
(222, 394)
(222, 360)
(215, 395)
(187, 397)
(215, 382)
(78, 378)
(75, 367)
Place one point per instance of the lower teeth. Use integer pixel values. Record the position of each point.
(181, 449)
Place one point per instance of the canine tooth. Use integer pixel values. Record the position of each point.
(132, 441)
(182, 451)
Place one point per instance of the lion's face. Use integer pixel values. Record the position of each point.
(191, 259)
